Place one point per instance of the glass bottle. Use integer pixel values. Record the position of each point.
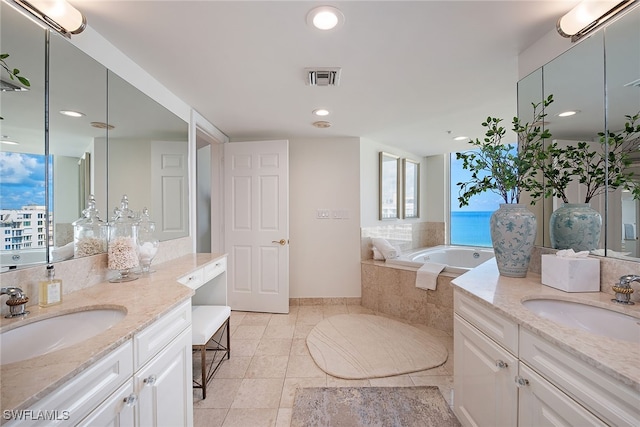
(147, 242)
(123, 250)
(89, 232)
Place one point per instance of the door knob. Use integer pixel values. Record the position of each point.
(281, 241)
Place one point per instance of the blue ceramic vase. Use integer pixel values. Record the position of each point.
(575, 226)
(513, 234)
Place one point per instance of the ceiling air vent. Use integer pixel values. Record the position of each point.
(323, 76)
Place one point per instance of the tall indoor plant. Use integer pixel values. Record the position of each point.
(495, 167)
(600, 169)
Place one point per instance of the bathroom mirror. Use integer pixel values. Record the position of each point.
(23, 224)
(78, 147)
(411, 189)
(389, 186)
(147, 159)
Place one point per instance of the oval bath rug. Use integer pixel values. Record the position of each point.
(360, 346)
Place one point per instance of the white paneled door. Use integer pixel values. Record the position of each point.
(257, 225)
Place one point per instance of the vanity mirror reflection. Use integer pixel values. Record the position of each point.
(602, 92)
(78, 147)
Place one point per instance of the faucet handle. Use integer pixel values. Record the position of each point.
(628, 278)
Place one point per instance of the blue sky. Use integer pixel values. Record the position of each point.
(487, 201)
(21, 180)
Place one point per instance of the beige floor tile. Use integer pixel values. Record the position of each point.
(358, 309)
(292, 384)
(220, 393)
(244, 348)
(273, 347)
(284, 417)
(248, 332)
(284, 319)
(444, 383)
(302, 330)
(256, 319)
(299, 347)
(205, 417)
(341, 382)
(279, 331)
(334, 310)
(259, 393)
(251, 418)
(235, 367)
(304, 367)
(267, 367)
(397, 381)
(310, 315)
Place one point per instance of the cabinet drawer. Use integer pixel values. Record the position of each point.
(194, 280)
(151, 340)
(497, 327)
(610, 400)
(214, 269)
(74, 400)
(114, 411)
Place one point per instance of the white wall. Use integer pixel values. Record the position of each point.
(437, 194)
(369, 181)
(66, 206)
(324, 253)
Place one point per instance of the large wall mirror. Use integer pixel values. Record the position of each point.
(596, 79)
(121, 142)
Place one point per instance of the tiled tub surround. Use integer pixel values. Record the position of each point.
(145, 300)
(406, 236)
(615, 358)
(391, 290)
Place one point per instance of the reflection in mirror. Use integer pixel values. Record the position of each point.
(411, 188)
(147, 146)
(23, 225)
(622, 44)
(576, 81)
(530, 92)
(77, 106)
(389, 186)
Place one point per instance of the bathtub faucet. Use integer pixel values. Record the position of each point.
(623, 289)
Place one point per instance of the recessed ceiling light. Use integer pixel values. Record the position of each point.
(8, 142)
(72, 113)
(321, 112)
(568, 113)
(325, 17)
(461, 138)
(322, 124)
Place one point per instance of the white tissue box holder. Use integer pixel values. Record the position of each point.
(571, 274)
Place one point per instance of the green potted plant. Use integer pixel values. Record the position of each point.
(14, 73)
(599, 167)
(495, 167)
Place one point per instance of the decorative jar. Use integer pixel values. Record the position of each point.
(89, 232)
(123, 249)
(147, 242)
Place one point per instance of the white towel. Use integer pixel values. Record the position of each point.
(427, 275)
(386, 249)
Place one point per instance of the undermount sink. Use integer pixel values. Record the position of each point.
(47, 335)
(589, 318)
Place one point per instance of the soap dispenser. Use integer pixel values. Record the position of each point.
(50, 289)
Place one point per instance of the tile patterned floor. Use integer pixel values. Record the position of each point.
(270, 359)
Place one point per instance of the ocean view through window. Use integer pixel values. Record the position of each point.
(469, 225)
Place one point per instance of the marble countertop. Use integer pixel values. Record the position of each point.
(144, 300)
(617, 358)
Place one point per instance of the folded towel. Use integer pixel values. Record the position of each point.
(386, 249)
(427, 275)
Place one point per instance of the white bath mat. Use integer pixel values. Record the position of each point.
(359, 346)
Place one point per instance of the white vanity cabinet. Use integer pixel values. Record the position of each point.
(505, 375)
(144, 382)
(209, 283)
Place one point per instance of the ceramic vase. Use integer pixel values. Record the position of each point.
(575, 226)
(513, 234)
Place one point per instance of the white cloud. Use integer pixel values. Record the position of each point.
(16, 168)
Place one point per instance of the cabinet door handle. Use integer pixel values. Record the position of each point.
(501, 364)
(522, 382)
(150, 380)
(131, 400)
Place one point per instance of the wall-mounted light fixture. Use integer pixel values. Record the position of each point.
(588, 15)
(57, 14)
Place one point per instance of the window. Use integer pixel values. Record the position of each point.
(389, 186)
(469, 225)
(411, 188)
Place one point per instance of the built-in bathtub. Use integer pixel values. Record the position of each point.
(458, 259)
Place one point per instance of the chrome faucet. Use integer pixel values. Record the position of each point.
(17, 301)
(623, 289)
